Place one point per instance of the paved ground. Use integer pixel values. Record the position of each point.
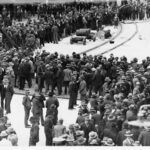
(64, 46)
(17, 119)
(138, 46)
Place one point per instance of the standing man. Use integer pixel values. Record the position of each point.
(73, 90)
(48, 128)
(41, 75)
(67, 77)
(27, 107)
(82, 88)
(38, 104)
(55, 33)
(52, 101)
(7, 92)
(34, 132)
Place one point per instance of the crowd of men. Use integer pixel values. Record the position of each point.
(111, 90)
(51, 26)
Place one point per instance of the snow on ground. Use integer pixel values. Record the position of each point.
(17, 119)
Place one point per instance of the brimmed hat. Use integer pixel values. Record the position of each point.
(92, 110)
(107, 106)
(33, 119)
(83, 103)
(87, 118)
(8, 124)
(3, 134)
(93, 69)
(70, 139)
(107, 79)
(107, 112)
(85, 115)
(128, 133)
(81, 141)
(111, 117)
(93, 142)
(93, 135)
(136, 143)
(109, 142)
(13, 139)
(76, 126)
(79, 133)
(94, 95)
(71, 126)
(148, 67)
(58, 140)
(10, 130)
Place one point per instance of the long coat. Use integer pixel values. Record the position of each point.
(73, 92)
(87, 130)
(7, 93)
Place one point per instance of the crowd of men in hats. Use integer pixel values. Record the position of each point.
(52, 26)
(8, 136)
(111, 90)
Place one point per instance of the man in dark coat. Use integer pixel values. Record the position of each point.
(34, 132)
(41, 75)
(27, 107)
(87, 127)
(59, 78)
(7, 92)
(55, 33)
(48, 129)
(38, 104)
(52, 105)
(73, 90)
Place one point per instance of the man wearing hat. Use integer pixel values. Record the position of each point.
(38, 104)
(82, 88)
(95, 116)
(34, 132)
(87, 127)
(128, 141)
(27, 107)
(7, 92)
(67, 77)
(52, 101)
(73, 91)
(48, 129)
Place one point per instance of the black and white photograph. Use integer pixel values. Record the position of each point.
(74, 73)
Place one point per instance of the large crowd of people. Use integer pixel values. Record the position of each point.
(111, 90)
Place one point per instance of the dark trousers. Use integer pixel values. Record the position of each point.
(59, 87)
(32, 142)
(21, 81)
(66, 85)
(27, 114)
(40, 83)
(2, 102)
(49, 138)
(7, 105)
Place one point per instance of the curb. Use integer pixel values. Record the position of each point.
(119, 32)
(122, 42)
(138, 21)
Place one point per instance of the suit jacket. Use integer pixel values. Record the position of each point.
(6, 93)
(87, 130)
